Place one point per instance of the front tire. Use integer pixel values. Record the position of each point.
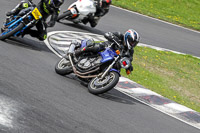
(65, 14)
(63, 67)
(10, 33)
(99, 86)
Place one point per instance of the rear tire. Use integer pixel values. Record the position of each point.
(63, 67)
(65, 14)
(15, 30)
(104, 87)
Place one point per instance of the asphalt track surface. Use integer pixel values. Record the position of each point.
(34, 99)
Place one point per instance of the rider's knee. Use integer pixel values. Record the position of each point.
(43, 37)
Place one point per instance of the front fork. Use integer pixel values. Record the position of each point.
(26, 26)
(21, 20)
(108, 69)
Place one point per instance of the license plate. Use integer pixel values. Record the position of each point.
(36, 14)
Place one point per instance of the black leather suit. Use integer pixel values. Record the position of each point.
(100, 12)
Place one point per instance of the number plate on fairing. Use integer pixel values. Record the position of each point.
(36, 14)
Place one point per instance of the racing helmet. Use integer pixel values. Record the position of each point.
(131, 38)
(106, 3)
(55, 3)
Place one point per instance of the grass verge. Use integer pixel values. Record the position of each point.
(181, 12)
(174, 76)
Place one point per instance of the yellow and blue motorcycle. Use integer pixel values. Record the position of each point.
(17, 24)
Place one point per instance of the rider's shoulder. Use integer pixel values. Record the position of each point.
(118, 34)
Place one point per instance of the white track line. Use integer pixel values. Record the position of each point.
(162, 49)
(7, 109)
(161, 110)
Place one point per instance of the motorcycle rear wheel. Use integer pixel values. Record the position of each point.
(65, 14)
(63, 67)
(10, 33)
(103, 85)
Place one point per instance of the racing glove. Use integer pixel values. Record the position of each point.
(129, 70)
(110, 36)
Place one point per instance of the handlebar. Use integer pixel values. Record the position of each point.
(120, 47)
(117, 43)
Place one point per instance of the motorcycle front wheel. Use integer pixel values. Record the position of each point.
(63, 67)
(9, 32)
(99, 86)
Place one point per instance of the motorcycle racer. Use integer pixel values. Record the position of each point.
(46, 7)
(102, 8)
(127, 41)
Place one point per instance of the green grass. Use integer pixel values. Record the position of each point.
(182, 12)
(174, 76)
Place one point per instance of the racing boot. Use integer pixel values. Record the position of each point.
(73, 55)
(74, 45)
(85, 21)
(93, 21)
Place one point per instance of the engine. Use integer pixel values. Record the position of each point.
(88, 62)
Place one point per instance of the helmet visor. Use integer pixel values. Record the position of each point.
(132, 42)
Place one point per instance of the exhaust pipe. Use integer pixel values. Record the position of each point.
(82, 74)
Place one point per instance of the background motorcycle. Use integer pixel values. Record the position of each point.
(17, 24)
(101, 70)
(78, 11)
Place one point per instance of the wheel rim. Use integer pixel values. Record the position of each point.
(111, 78)
(63, 63)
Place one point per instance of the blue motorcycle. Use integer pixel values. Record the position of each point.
(100, 69)
(17, 24)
